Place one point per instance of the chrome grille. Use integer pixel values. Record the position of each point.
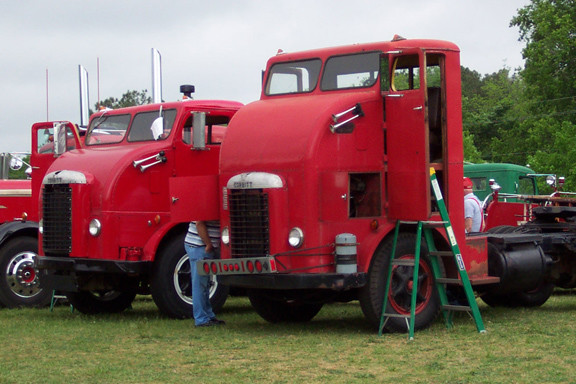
(249, 223)
(57, 219)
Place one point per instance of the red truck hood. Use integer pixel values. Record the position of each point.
(256, 138)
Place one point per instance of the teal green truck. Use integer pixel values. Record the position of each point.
(512, 178)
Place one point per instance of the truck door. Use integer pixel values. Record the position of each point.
(194, 188)
(408, 177)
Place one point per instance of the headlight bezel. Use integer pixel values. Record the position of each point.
(95, 227)
(296, 237)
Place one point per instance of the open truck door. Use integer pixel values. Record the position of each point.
(414, 97)
(408, 180)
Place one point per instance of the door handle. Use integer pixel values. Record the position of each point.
(418, 108)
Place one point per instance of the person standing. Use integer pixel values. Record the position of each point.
(202, 242)
(473, 217)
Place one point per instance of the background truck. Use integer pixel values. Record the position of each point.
(19, 283)
(115, 212)
(511, 178)
(340, 146)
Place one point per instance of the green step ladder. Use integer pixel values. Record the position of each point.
(425, 228)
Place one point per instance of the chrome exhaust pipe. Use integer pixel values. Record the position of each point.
(156, 76)
(84, 98)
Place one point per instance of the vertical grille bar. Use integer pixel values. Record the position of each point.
(57, 217)
(249, 223)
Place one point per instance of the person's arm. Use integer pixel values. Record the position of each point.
(468, 224)
(203, 233)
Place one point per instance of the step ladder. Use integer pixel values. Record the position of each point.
(425, 228)
(55, 297)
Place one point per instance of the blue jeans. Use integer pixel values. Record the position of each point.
(202, 309)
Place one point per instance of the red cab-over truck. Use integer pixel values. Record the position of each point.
(115, 213)
(19, 282)
(341, 143)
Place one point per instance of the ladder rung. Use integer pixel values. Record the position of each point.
(435, 223)
(396, 315)
(462, 308)
(441, 253)
(447, 280)
(404, 262)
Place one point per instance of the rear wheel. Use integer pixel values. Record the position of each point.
(19, 283)
(171, 286)
(532, 298)
(101, 301)
(275, 307)
(401, 284)
(535, 297)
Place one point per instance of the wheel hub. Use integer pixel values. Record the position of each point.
(21, 276)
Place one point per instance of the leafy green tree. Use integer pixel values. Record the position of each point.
(549, 29)
(128, 99)
(490, 106)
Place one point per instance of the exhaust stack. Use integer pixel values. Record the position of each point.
(84, 102)
(156, 76)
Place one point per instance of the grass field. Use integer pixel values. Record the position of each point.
(139, 346)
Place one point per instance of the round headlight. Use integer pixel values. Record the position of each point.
(551, 180)
(95, 227)
(296, 237)
(225, 236)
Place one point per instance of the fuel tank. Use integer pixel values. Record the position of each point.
(518, 260)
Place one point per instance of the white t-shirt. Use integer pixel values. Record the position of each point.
(473, 209)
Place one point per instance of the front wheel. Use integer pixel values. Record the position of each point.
(401, 284)
(171, 285)
(104, 301)
(274, 307)
(19, 283)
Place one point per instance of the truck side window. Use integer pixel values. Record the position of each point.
(406, 73)
(45, 142)
(526, 186)
(215, 129)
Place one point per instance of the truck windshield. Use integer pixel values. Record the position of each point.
(293, 77)
(154, 125)
(351, 71)
(107, 129)
(145, 126)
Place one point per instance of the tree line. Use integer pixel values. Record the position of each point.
(527, 116)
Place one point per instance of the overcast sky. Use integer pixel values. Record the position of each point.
(219, 46)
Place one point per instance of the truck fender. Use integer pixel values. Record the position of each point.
(13, 228)
(369, 246)
(154, 243)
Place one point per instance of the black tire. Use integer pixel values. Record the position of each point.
(96, 302)
(19, 283)
(502, 229)
(532, 298)
(496, 300)
(398, 302)
(171, 286)
(273, 307)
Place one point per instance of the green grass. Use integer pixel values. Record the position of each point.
(139, 346)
